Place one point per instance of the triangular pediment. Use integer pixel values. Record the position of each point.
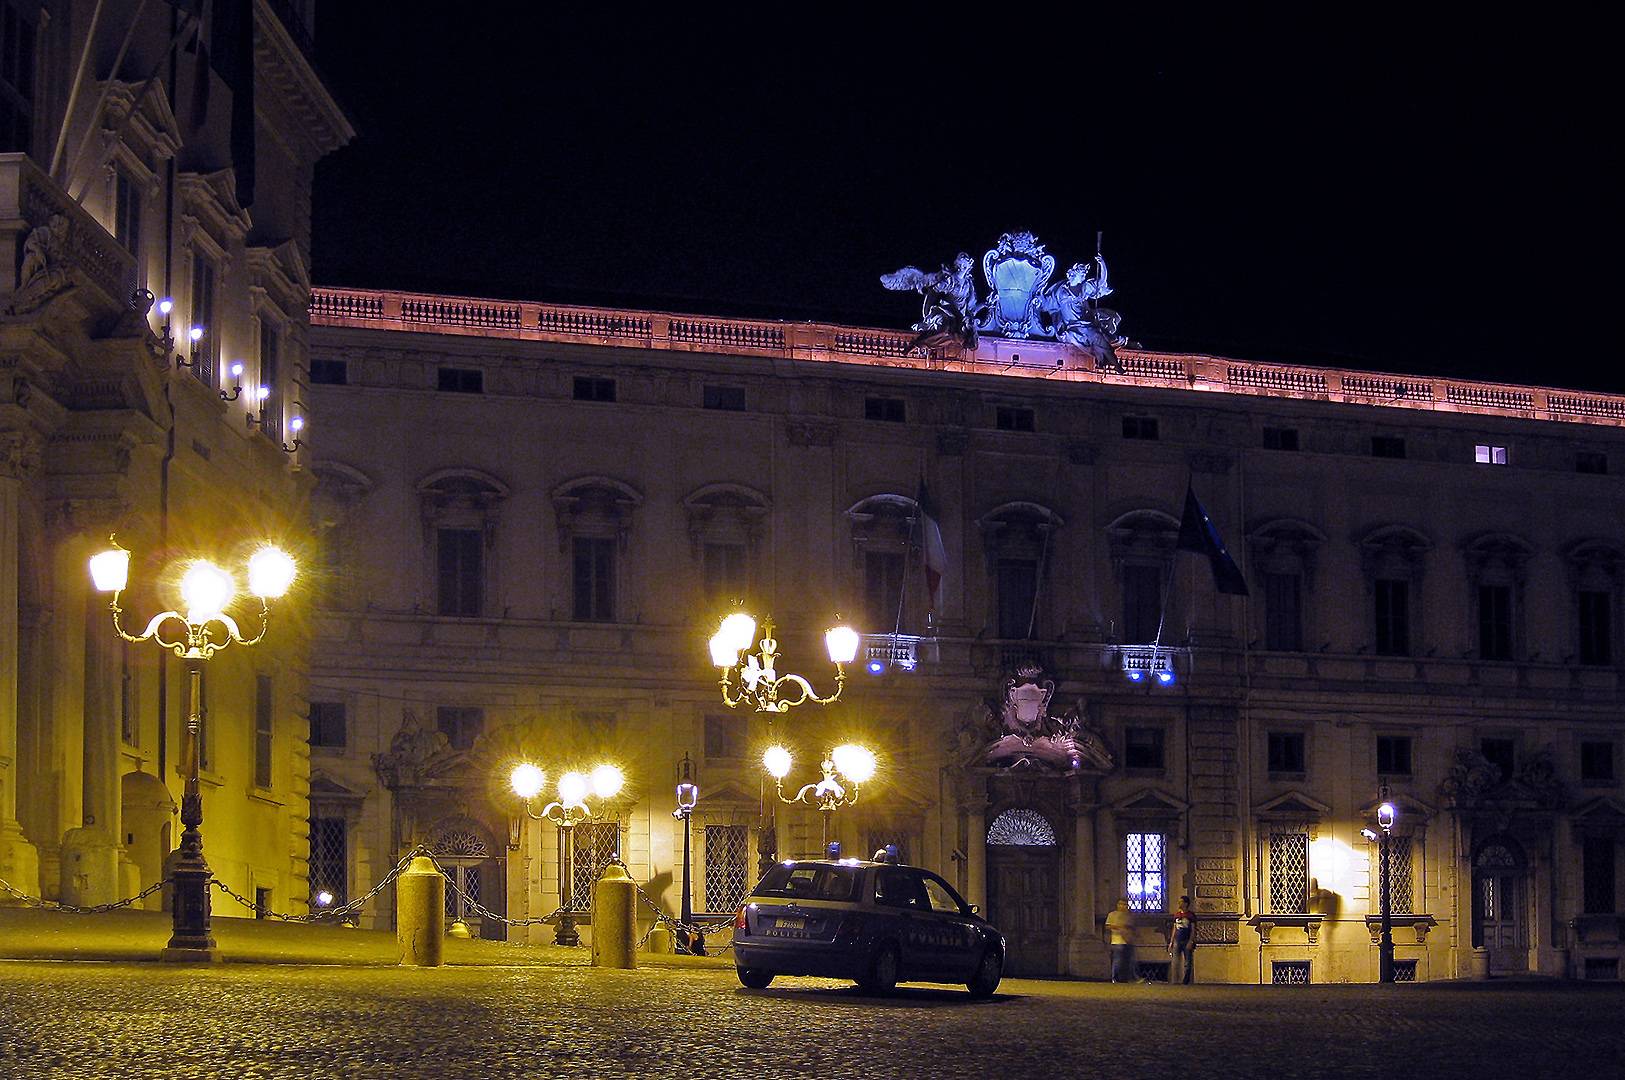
(1149, 800)
(1293, 804)
(1601, 809)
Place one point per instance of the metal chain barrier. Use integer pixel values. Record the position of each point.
(339, 914)
(73, 909)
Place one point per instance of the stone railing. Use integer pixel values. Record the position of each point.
(422, 313)
(80, 246)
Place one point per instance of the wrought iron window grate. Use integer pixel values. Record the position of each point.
(597, 844)
(726, 856)
(1289, 972)
(329, 860)
(1404, 971)
(1289, 872)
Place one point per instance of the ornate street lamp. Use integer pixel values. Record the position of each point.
(567, 811)
(195, 636)
(760, 684)
(1386, 814)
(688, 794)
(844, 768)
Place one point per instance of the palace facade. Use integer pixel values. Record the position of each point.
(153, 339)
(530, 518)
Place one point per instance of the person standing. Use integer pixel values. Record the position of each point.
(1182, 942)
(1119, 925)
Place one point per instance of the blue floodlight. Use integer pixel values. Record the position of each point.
(1135, 675)
(877, 667)
(1165, 677)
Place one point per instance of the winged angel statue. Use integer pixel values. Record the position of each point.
(949, 310)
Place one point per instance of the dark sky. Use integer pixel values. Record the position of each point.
(1425, 194)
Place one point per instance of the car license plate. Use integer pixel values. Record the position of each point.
(789, 924)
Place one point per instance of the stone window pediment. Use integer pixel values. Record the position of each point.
(1142, 538)
(596, 507)
(1019, 530)
(462, 499)
(726, 514)
(1293, 811)
(1497, 558)
(1394, 551)
(1286, 546)
(883, 522)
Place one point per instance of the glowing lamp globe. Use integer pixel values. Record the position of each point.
(856, 763)
(527, 780)
(572, 788)
(110, 570)
(206, 590)
(776, 760)
(607, 781)
(842, 643)
(270, 572)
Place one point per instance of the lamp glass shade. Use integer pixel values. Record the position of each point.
(270, 572)
(206, 590)
(607, 781)
(527, 780)
(1386, 814)
(724, 654)
(776, 760)
(110, 570)
(738, 631)
(842, 643)
(856, 763)
(687, 795)
(572, 788)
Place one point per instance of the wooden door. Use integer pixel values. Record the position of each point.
(1023, 899)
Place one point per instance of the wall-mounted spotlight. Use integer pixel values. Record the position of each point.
(236, 391)
(296, 425)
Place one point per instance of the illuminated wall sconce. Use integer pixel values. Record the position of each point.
(193, 335)
(296, 425)
(259, 396)
(236, 391)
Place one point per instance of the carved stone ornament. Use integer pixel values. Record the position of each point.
(415, 754)
(1027, 736)
(44, 269)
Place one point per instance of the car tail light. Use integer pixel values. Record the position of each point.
(739, 921)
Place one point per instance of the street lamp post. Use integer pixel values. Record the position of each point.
(567, 811)
(844, 768)
(202, 631)
(688, 794)
(1385, 942)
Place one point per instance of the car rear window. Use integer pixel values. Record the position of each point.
(810, 882)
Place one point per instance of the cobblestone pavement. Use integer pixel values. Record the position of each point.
(246, 1022)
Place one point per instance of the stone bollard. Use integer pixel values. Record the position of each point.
(1479, 964)
(614, 919)
(660, 941)
(420, 914)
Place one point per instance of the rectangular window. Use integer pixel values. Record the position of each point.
(1289, 872)
(725, 398)
(1140, 427)
(1018, 593)
(461, 554)
(882, 589)
(461, 380)
(1286, 752)
(127, 215)
(1146, 871)
(1501, 753)
(1597, 762)
(1387, 446)
(330, 372)
(327, 724)
(1393, 755)
(1143, 748)
(1589, 461)
(1490, 455)
(207, 345)
(16, 80)
(329, 863)
(888, 409)
(1596, 608)
(1401, 894)
(725, 571)
(1495, 622)
(1142, 604)
(724, 736)
(1393, 617)
(588, 388)
(1598, 875)
(460, 724)
(1012, 418)
(594, 579)
(270, 407)
(1283, 612)
(264, 716)
(597, 844)
(1280, 438)
(727, 853)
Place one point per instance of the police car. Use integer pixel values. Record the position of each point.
(877, 923)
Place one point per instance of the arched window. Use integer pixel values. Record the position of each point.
(1019, 541)
(726, 525)
(461, 508)
(889, 581)
(1142, 551)
(1393, 560)
(1283, 555)
(1021, 827)
(1496, 567)
(1595, 570)
(594, 516)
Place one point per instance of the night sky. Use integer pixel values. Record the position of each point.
(1432, 194)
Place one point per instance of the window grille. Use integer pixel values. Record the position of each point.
(597, 844)
(467, 879)
(1152, 971)
(1401, 896)
(1289, 872)
(329, 860)
(1289, 972)
(1404, 971)
(726, 854)
(1602, 967)
(1027, 828)
(882, 838)
(1145, 864)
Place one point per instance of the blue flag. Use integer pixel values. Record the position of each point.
(1196, 533)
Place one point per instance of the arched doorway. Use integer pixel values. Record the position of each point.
(1023, 890)
(1500, 904)
(146, 812)
(473, 877)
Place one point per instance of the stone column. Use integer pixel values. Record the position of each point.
(19, 860)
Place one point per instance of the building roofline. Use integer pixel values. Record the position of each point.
(428, 313)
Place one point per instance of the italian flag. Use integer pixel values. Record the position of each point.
(930, 543)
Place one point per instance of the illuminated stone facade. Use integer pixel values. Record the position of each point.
(144, 195)
(532, 517)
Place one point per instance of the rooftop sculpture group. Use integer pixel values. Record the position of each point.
(1021, 301)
